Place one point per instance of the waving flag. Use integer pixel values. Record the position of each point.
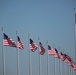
(62, 57)
(20, 43)
(68, 60)
(42, 50)
(33, 45)
(8, 42)
(56, 54)
(73, 66)
(50, 51)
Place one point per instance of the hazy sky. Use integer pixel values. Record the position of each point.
(51, 20)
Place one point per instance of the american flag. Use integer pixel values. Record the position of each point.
(68, 60)
(33, 45)
(56, 54)
(42, 49)
(20, 43)
(62, 57)
(8, 42)
(50, 51)
(73, 66)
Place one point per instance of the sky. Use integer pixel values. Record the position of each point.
(51, 20)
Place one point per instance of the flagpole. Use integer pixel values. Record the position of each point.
(60, 65)
(69, 70)
(3, 54)
(63, 67)
(75, 33)
(30, 68)
(47, 58)
(18, 64)
(39, 59)
(29, 53)
(54, 63)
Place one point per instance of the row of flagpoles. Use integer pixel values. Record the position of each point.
(7, 41)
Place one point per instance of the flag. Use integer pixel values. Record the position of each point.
(50, 51)
(33, 45)
(56, 54)
(20, 43)
(73, 66)
(8, 42)
(68, 60)
(62, 57)
(42, 49)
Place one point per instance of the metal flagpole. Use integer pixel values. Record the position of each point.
(60, 65)
(18, 64)
(54, 63)
(69, 70)
(3, 54)
(54, 66)
(39, 59)
(63, 67)
(75, 35)
(30, 67)
(72, 71)
(47, 59)
(30, 64)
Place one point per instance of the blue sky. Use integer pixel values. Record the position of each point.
(51, 20)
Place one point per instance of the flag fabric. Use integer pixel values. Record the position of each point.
(50, 51)
(20, 43)
(8, 42)
(56, 54)
(73, 66)
(42, 49)
(33, 46)
(62, 56)
(68, 60)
